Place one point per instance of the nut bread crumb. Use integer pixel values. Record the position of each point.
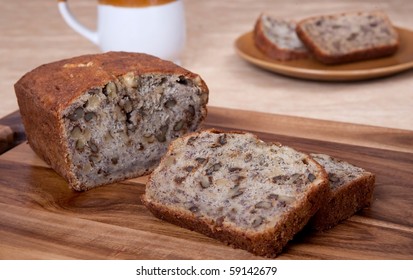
(236, 188)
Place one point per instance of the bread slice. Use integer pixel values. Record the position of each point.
(98, 119)
(277, 38)
(351, 190)
(348, 37)
(236, 188)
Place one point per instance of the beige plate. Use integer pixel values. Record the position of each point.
(313, 70)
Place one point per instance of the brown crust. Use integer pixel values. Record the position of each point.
(45, 92)
(270, 49)
(325, 58)
(344, 202)
(58, 83)
(268, 243)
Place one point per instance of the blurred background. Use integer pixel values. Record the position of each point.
(33, 33)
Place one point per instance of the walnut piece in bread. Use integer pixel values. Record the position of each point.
(351, 190)
(98, 119)
(236, 188)
(277, 38)
(348, 37)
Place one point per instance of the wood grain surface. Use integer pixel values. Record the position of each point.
(41, 218)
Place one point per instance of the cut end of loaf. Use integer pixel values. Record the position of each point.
(122, 129)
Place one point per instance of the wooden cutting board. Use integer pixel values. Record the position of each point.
(41, 218)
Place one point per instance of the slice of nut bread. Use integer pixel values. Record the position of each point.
(236, 188)
(277, 38)
(98, 119)
(351, 190)
(347, 37)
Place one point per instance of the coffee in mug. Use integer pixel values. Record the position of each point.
(156, 27)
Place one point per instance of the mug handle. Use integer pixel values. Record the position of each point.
(74, 23)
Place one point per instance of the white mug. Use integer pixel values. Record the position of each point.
(146, 26)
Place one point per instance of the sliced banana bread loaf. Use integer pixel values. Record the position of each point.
(348, 37)
(351, 190)
(277, 38)
(237, 189)
(102, 118)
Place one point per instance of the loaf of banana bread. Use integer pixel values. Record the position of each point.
(236, 188)
(98, 119)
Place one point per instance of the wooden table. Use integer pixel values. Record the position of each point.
(369, 123)
(42, 218)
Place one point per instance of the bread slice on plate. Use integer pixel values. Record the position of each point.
(277, 38)
(348, 37)
(98, 119)
(236, 188)
(351, 190)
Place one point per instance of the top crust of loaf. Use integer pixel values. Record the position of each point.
(278, 39)
(236, 188)
(348, 37)
(58, 83)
